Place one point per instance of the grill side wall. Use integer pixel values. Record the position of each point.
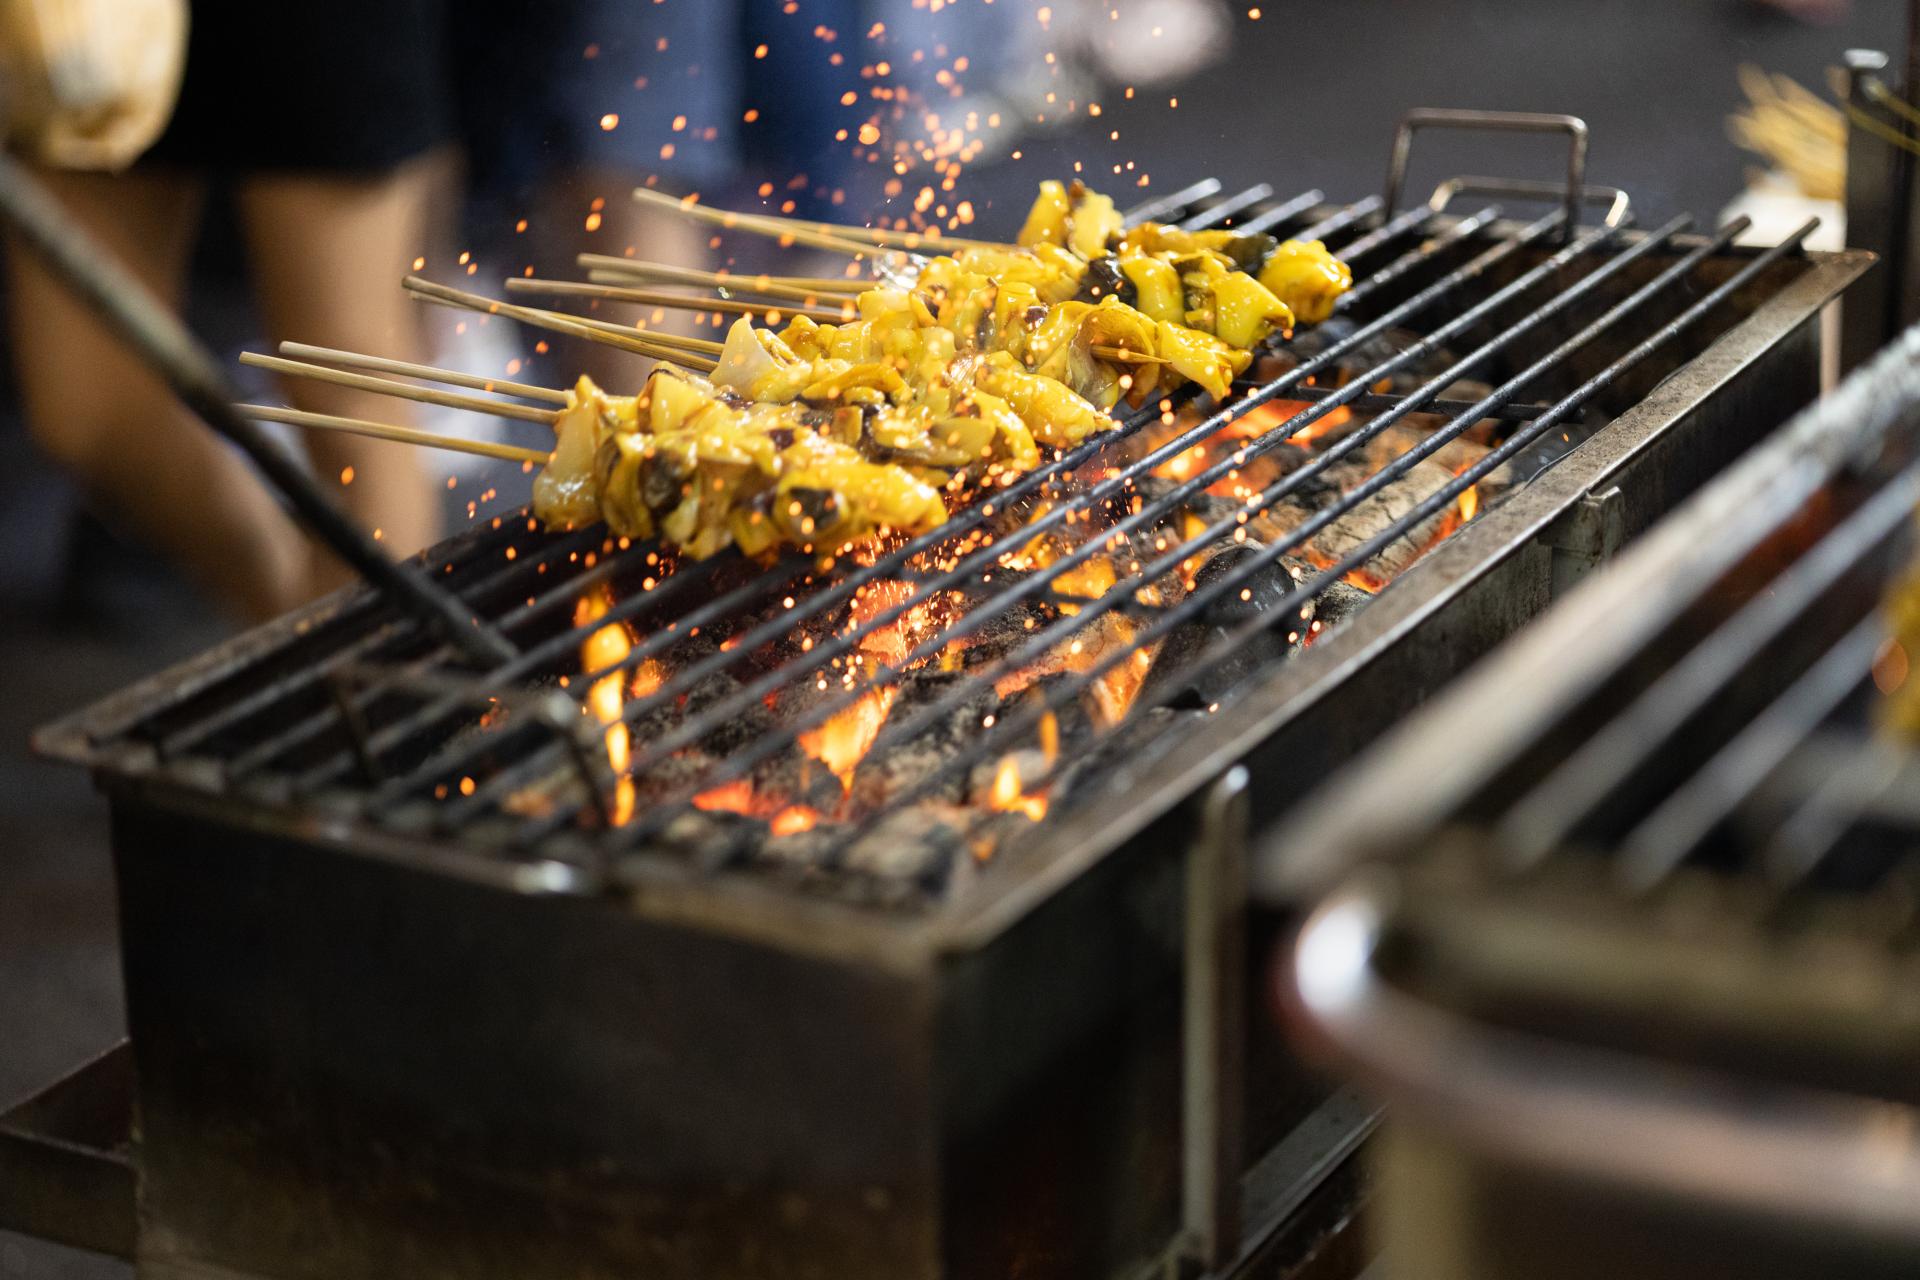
(351, 1069)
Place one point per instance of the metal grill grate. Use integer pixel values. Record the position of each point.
(367, 715)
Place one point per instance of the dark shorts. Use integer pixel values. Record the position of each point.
(355, 86)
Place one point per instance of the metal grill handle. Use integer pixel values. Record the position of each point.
(126, 307)
(1496, 122)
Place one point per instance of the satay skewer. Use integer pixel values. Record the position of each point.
(675, 301)
(398, 390)
(863, 238)
(426, 372)
(386, 431)
(605, 269)
(660, 346)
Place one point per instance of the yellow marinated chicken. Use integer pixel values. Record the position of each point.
(705, 469)
(824, 434)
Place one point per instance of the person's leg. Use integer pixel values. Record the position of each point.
(143, 462)
(327, 253)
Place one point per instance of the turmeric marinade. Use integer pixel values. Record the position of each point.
(821, 435)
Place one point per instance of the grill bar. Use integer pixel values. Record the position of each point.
(1663, 839)
(453, 566)
(1283, 213)
(1224, 211)
(1543, 820)
(698, 726)
(387, 646)
(524, 771)
(1156, 210)
(1027, 716)
(630, 610)
(1042, 642)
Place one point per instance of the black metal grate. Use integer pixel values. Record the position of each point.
(370, 716)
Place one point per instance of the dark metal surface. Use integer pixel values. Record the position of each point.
(1876, 219)
(66, 1167)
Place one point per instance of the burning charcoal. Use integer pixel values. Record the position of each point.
(1173, 678)
(713, 838)
(1128, 753)
(1001, 783)
(1456, 455)
(1335, 605)
(807, 848)
(795, 778)
(916, 843)
(1009, 627)
(745, 725)
(1376, 514)
(679, 771)
(882, 775)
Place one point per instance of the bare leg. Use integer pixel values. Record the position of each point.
(143, 462)
(327, 254)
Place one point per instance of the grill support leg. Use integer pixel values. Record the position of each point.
(1213, 1030)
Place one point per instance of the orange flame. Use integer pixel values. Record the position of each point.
(793, 820)
(843, 741)
(1006, 796)
(729, 797)
(605, 647)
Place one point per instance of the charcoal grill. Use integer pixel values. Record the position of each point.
(389, 1015)
(1638, 958)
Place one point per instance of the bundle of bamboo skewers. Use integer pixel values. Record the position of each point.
(1800, 136)
(770, 298)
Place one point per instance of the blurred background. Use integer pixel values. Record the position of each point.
(314, 160)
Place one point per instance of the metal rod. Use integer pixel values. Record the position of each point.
(1215, 214)
(923, 717)
(965, 522)
(1539, 822)
(1281, 213)
(1661, 841)
(1442, 498)
(1114, 484)
(1156, 210)
(1024, 718)
(627, 611)
(163, 343)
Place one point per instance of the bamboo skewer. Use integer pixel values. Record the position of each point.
(603, 269)
(452, 377)
(677, 301)
(865, 238)
(399, 390)
(385, 431)
(659, 346)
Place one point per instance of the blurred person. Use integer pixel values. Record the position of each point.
(327, 126)
(570, 104)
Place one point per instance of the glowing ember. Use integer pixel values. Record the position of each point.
(842, 742)
(1470, 503)
(1006, 796)
(729, 797)
(793, 820)
(606, 647)
(1090, 579)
